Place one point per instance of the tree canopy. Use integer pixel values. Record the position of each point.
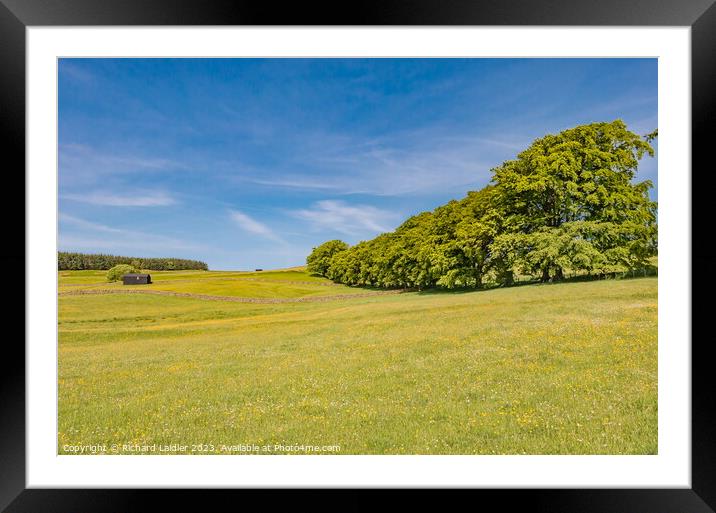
(320, 258)
(116, 272)
(79, 261)
(569, 202)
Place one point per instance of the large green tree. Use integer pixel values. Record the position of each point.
(320, 258)
(569, 202)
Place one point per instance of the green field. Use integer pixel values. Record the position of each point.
(566, 368)
(276, 284)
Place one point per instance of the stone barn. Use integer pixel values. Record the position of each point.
(136, 279)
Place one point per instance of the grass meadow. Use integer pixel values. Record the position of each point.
(568, 368)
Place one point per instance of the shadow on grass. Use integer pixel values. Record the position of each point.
(639, 273)
(465, 290)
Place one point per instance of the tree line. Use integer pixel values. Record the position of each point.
(78, 261)
(568, 203)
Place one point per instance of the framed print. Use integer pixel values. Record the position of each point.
(417, 248)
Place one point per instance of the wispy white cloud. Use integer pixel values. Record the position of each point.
(84, 153)
(339, 216)
(296, 182)
(75, 72)
(80, 165)
(414, 163)
(147, 245)
(253, 226)
(81, 234)
(620, 104)
(108, 199)
(88, 225)
(516, 144)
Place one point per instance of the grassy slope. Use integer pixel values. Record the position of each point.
(553, 369)
(270, 284)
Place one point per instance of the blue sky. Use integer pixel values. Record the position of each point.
(247, 163)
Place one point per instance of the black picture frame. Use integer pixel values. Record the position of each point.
(16, 15)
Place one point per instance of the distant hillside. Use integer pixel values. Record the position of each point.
(80, 261)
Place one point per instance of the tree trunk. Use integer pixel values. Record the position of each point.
(545, 276)
(559, 274)
(509, 278)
